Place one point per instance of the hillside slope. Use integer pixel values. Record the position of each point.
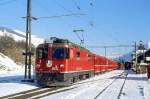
(19, 35)
(11, 48)
(7, 64)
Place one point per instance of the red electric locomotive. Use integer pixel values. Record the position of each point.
(61, 63)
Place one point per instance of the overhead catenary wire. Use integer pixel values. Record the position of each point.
(78, 36)
(91, 3)
(60, 5)
(70, 13)
(59, 16)
(110, 46)
(63, 7)
(46, 9)
(77, 6)
(43, 6)
(56, 16)
(91, 23)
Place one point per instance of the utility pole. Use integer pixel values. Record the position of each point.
(135, 46)
(105, 57)
(26, 57)
(28, 53)
(29, 15)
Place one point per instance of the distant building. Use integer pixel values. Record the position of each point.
(149, 45)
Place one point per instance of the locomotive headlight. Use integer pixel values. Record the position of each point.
(37, 65)
(49, 63)
(61, 65)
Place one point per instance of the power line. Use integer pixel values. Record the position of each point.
(60, 5)
(43, 6)
(91, 23)
(46, 9)
(108, 46)
(59, 16)
(77, 6)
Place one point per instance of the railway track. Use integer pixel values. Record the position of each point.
(43, 92)
(76, 85)
(120, 92)
(26, 94)
(121, 76)
(37, 93)
(79, 83)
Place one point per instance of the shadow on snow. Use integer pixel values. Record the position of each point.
(15, 79)
(133, 76)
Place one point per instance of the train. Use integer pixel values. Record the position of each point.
(60, 62)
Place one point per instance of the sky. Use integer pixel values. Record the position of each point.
(105, 22)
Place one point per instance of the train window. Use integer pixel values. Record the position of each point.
(78, 55)
(67, 52)
(39, 53)
(60, 53)
(42, 53)
(89, 56)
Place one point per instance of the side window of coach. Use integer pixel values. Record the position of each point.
(89, 56)
(78, 55)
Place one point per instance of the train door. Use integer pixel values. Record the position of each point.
(94, 64)
(71, 59)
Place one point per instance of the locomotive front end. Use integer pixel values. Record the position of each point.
(51, 62)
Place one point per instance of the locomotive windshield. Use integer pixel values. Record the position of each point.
(42, 53)
(60, 53)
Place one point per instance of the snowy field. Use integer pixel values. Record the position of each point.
(136, 86)
(104, 86)
(10, 83)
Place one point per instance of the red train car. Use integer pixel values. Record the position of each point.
(102, 64)
(61, 63)
(99, 64)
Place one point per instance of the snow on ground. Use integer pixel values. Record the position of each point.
(11, 75)
(136, 87)
(10, 83)
(86, 89)
(6, 64)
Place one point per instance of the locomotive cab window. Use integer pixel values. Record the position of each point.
(60, 53)
(67, 53)
(42, 53)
